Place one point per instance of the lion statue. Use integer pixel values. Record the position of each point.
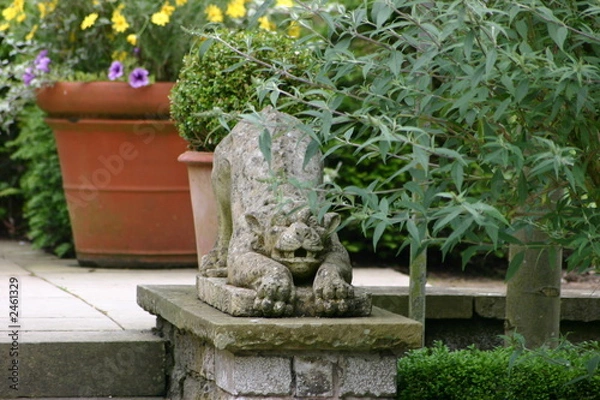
(268, 240)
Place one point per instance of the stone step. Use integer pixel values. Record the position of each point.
(106, 364)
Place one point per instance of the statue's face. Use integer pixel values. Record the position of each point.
(298, 241)
(298, 246)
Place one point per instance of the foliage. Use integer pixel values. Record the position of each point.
(567, 372)
(41, 185)
(215, 83)
(12, 96)
(138, 41)
(491, 107)
(341, 168)
(11, 200)
(145, 33)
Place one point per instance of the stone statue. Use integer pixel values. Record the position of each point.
(268, 240)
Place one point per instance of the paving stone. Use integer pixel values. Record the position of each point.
(99, 364)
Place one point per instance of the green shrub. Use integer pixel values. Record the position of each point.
(45, 208)
(513, 373)
(11, 200)
(216, 82)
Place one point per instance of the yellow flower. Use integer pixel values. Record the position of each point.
(120, 23)
(43, 10)
(4, 27)
(284, 3)
(236, 9)
(10, 13)
(160, 18)
(21, 17)
(132, 39)
(180, 3)
(31, 33)
(89, 21)
(294, 29)
(167, 9)
(51, 6)
(265, 24)
(119, 55)
(213, 13)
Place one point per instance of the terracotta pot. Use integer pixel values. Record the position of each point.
(199, 167)
(105, 100)
(128, 197)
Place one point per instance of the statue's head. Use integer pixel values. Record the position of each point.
(295, 239)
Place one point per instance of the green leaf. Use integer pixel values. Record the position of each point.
(9, 192)
(311, 151)
(458, 175)
(205, 46)
(468, 44)
(490, 62)
(264, 144)
(395, 62)
(558, 34)
(514, 265)
(521, 90)
(413, 231)
(381, 12)
(378, 232)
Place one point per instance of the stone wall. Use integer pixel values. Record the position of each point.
(200, 371)
(463, 317)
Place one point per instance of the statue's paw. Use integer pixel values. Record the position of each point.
(332, 287)
(275, 297)
(333, 295)
(215, 272)
(213, 266)
(333, 308)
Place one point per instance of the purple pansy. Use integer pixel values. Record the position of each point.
(138, 78)
(42, 61)
(28, 76)
(115, 71)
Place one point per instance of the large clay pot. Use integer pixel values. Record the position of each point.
(128, 197)
(199, 166)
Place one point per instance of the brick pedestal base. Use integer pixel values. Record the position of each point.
(216, 356)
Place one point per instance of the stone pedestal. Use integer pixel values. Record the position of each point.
(217, 356)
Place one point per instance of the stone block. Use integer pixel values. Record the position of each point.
(253, 374)
(239, 302)
(179, 305)
(393, 302)
(197, 388)
(490, 305)
(449, 306)
(192, 353)
(87, 364)
(368, 375)
(580, 308)
(314, 376)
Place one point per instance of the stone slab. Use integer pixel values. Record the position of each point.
(466, 303)
(70, 364)
(441, 304)
(239, 302)
(179, 305)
